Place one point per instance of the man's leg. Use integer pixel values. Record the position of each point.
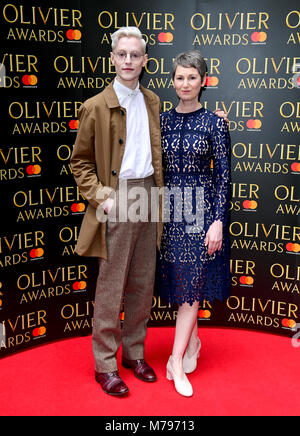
(111, 283)
(138, 295)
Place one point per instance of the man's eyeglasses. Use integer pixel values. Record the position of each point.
(123, 55)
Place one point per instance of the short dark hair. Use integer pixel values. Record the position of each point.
(192, 58)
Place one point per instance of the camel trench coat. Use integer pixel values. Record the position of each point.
(97, 157)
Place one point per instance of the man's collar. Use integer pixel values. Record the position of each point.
(112, 101)
(123, 91)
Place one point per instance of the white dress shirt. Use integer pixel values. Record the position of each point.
(137, 159)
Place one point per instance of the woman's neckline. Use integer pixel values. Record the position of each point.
(188, 113)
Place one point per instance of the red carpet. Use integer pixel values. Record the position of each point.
(239, 373)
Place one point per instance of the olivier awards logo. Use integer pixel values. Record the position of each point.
(288, 198)
(264, 313)
(20, 162)
(243, 115)
(77, 316)
(19, 71)
(244, 197)
(20, 248)
(242, 272)
(42, 117)
(230, 28)
(286, 276)
(265, 238)
(52, 283)
(45, 203)
(290, 112)
(261, 158)
(85, 72)
(268, 73)
(156, 27)
(67, 238)
(23, 329)
(292, 22)
(161, 311)
(63, 155)
(42, 24)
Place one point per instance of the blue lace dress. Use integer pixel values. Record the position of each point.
(196, 163)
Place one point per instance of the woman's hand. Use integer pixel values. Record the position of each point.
(214, 237)
(222, 114)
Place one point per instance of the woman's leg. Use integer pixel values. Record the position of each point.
(194, 341)
(185, 327)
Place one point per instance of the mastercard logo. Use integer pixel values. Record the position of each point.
(292, 248)
(79, 286)
(250, 204)
(204, 314)
(259, 36)
(295, 167)
(36, 253)
(78, 207)
(253, 124)
(211, 81)
(39, 331)
(288, 323)
(73, 35)
(33, 170)
(165, 37)
(29, 80)
(246, 280)
(73, 124)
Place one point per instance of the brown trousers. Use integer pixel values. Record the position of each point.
(127, 276)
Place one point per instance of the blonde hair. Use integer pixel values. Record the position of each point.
(127, 31)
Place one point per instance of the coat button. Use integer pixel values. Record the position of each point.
(121, 141)
(114, 172)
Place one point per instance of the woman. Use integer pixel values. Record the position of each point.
(194, 258)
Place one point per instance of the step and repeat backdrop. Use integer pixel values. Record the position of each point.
(54, 55)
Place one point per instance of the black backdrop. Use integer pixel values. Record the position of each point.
(54, 55)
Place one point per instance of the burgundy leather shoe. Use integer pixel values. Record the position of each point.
(141, 369)
(111, 383)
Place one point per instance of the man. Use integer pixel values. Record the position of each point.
(118, 140)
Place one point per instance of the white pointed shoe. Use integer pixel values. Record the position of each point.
(190, 363)
(182, 386)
